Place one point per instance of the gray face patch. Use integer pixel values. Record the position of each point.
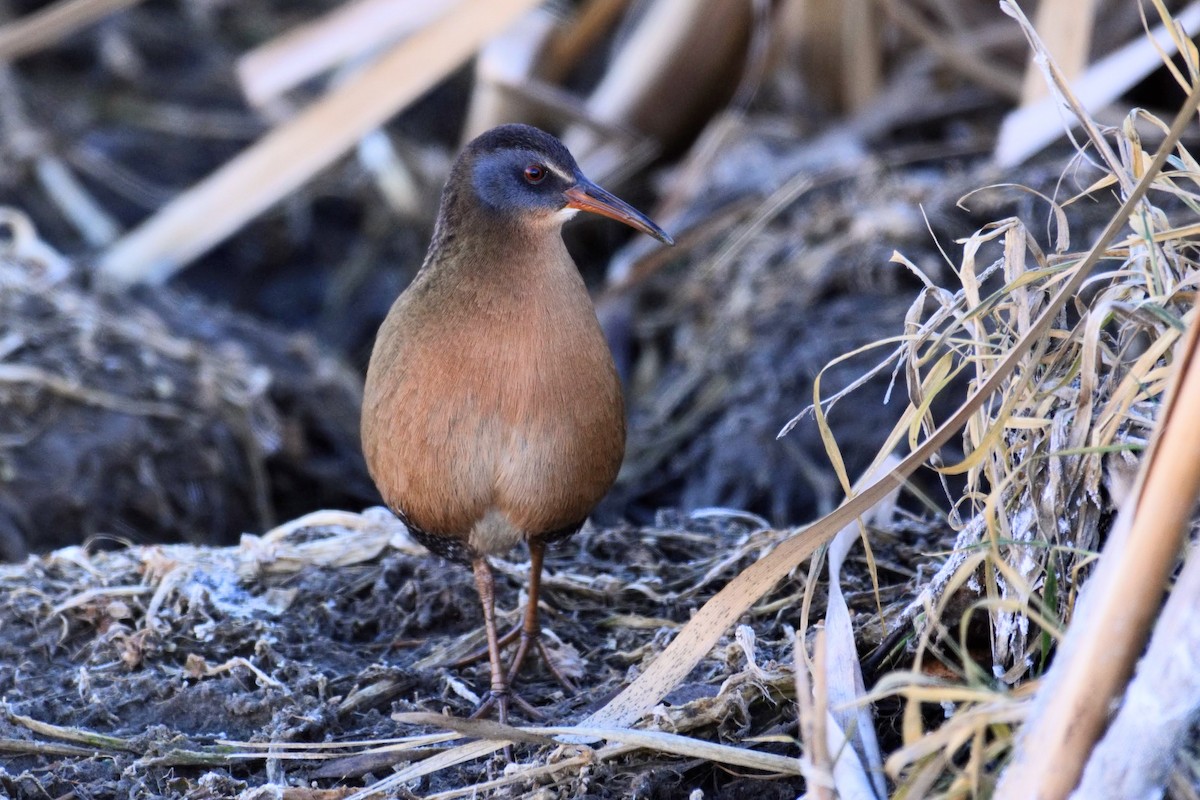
(498, 180)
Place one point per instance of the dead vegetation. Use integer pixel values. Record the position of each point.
(149, 416)
(1031, 325)
(239, 663)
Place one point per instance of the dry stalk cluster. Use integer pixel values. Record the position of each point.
(1086, 345)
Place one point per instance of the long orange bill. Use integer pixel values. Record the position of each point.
(587, 196)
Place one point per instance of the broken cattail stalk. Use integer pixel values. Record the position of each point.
(351, 30)
(288, 156)
(54, 23)
(1066, 28)
(510, 59)
(682, 57)
(1030, 128)
(576, 39)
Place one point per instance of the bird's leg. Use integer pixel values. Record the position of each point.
(485, 584)
(483, 652)
(530, 632)
(531, 629)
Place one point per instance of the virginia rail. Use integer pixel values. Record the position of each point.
(492, 412)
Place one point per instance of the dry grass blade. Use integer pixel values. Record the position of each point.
(24, 747)
(95, 224)
(815, 764)
(670, 743)
(331, 749)
(524, 775)
(675, 744)
(288, 156)
(443, 760)
(719, 613)
(844, 680)
(1031, 127)
(1115, 615)
(475, 728)
(1066, 27)
(68, 734)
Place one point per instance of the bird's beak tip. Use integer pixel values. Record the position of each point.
(587, 196)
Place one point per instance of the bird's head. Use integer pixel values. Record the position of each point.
(522, 172)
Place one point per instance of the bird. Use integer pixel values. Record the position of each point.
(493, 413)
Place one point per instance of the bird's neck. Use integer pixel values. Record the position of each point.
(474, 248)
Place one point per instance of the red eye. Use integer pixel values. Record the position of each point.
(535, 173)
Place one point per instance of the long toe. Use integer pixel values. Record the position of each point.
(482, 653)
(500, 701)
(555, 670)
(537, 641)
(497, 700)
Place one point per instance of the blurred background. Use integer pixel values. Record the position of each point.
(209, 206)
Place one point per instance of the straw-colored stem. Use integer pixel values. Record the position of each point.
(1066, 28)
(283, 160)
(1115, 616)
(350, 30)
(53, 23)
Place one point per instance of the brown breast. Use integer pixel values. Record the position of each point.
(492, 406)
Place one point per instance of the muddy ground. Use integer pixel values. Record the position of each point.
(173, 650)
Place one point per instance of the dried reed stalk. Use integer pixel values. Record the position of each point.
(1066, 28)
(288, 156)
(350, 30)
(54, 23)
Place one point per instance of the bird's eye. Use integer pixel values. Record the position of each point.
(535, 173)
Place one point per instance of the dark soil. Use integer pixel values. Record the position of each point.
(137, 644)
(152, 416)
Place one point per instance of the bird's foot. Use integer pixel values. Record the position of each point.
(529, 639)
(499, 699)
(482, 653)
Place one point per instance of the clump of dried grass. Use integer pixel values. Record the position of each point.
(1050, 454)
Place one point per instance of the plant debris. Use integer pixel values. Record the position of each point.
(153, 416)
(163, 669)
